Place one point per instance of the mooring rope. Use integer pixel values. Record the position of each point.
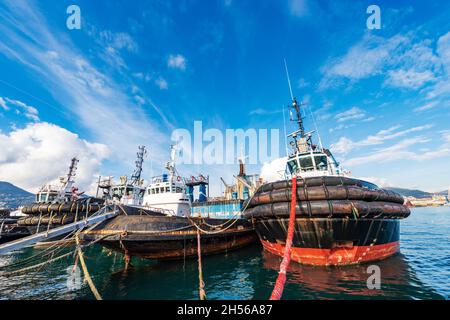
(42, 253)
(87, 276)
(201, 283)
(36, 266)
(281, 280)
(212, 232)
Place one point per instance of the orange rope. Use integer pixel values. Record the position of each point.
(201, 286)
(281, 280)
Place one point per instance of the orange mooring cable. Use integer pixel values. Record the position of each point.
(279, 285)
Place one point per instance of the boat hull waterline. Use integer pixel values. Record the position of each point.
(316, 240)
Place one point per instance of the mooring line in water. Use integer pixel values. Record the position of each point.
(87, 276)
(281, 279)
(7, 274)
(201, 285)
(47, 251)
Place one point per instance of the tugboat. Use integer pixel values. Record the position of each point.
(56, 206)
(166, 223)
(338, 220)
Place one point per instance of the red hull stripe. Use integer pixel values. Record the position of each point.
(336, 256)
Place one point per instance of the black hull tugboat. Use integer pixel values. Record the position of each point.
(55, 206)
(163, 221)
(9, 230)
(152, 235)
(338, 220)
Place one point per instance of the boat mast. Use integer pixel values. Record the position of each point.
(69, 181)
(136, 177)
(301, 141)
(170, 165)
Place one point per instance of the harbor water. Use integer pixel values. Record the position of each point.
(420, 271)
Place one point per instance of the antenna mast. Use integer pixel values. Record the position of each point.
(295, 104)
(288, 79)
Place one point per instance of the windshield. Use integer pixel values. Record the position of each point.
(321, 163)
(306, 163)
(42, 197)
(293, 166)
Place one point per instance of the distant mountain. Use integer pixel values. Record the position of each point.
(12, 196)
(415, 193)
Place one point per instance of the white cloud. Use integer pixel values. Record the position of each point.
(177, 61)
(443, 49)
(364, 59)
(409, 78)
(427, 106)
(401, 151)
(381, 182)
(30, 112)
(142, 76)
(404, 61)
(162, 83)
(274, 170)
(94, 100)
(394, 152)
(41, 152)
(298, 8)
(120, 40)
(345, 145)
(139, 99)
(354, 113)
(3, 104)
(261, 111)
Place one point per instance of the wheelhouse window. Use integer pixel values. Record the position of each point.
(293, 165)
(306, 163)
(321, 163)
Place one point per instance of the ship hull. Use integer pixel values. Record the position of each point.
(163, 237)
(332, 242)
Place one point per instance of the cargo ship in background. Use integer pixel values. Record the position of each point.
(339, 220)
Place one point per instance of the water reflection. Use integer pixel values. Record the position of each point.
(398, 280)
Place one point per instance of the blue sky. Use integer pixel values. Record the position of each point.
(138, 70)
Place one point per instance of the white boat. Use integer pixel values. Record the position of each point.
(168, 192)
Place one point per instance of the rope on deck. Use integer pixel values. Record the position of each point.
(86, 272)
(201, 286)
(281, 280)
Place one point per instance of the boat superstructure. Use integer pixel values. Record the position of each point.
(66, 191)
(307, 159)
(129, 191)
(168, 192)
